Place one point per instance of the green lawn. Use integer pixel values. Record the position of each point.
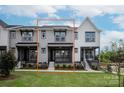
(82, 79)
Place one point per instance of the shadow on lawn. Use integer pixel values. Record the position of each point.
(11, 77)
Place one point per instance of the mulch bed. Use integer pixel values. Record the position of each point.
(11, 77)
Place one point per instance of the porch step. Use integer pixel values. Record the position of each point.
(87, 66)
(51, 66)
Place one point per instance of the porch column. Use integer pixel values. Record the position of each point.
(94, 54)
(99, 54)
(84, 57)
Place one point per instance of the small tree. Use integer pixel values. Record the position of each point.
(7, 63)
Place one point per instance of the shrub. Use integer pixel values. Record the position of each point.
(44, 65)
(64, 66)
(109, 69)
(77, 66)
(69, 66)
(57, 66)
(7, 63)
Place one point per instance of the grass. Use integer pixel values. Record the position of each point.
(42, 79)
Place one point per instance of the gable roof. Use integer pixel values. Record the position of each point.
(89, 20)
(2, 23)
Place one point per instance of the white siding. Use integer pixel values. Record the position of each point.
(3, 37)
(86, 26)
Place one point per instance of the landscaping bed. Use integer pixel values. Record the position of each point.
(68, 67)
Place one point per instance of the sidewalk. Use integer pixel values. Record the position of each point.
(57, 70)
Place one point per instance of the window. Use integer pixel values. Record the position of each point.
(43, 50)
(13, 50)
(27, 36)
(0, 33)
(90, 36)
(76, 35)
(76, 50)
(43, 34)
(13, 35)
(60, 36)
(32, 55)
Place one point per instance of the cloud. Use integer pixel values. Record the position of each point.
(70, 23)
(66, 23)
(108, 36)
(29, 11)
(92, 11)
(119, 20)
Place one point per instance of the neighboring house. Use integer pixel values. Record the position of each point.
(4, 41)
(55, 44)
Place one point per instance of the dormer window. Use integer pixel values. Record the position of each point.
(90, 36)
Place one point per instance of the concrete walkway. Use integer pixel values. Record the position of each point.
(51, 66)
(57, 70)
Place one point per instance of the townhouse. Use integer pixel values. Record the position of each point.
(53, 44)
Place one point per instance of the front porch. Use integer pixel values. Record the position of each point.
(26, 55)
(89, 56)
(60, 53)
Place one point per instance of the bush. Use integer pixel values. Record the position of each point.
(109, 69)
(7, 63)
(57, 66)
(69, 66)
(44, 65)
(64, 66)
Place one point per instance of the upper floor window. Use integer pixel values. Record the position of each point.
(13, 34)
(27, 36)
(43, 50)
(76, 50)
(43, 34)
(60, 36)
(76, 35)
(90, 36)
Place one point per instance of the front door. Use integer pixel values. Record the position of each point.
(89, 54)
(32, 55)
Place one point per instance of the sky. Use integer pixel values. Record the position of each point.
(109, 19)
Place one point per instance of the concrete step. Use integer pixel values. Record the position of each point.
(87, 66)
(51, 66)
